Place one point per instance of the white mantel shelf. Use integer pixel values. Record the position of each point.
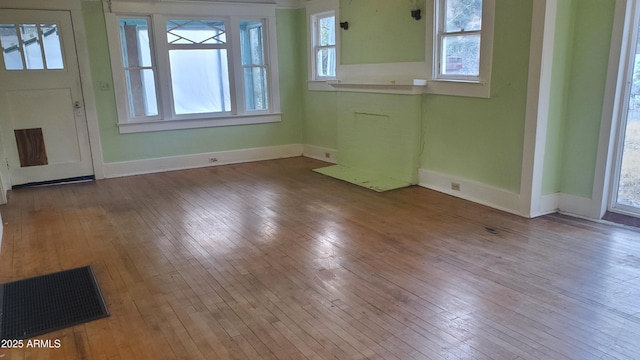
(391, 87)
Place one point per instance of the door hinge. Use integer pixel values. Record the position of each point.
(7, 161)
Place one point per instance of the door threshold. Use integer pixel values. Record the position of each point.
(72, 180)
(623, 219)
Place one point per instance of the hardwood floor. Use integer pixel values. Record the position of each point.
(270, 260)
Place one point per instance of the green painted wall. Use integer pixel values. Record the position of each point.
(482, 139)
(380, 133)
(321, 118)
(319, 107)
(592, 40)
(560, 81)
(381, 31)
(123, 147)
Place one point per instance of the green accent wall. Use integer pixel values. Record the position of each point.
(380, 133)
(482, 139)
(124, 147)
(381, 31)
(590, 58)
(558, 97)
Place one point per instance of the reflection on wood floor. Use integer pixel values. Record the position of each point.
(271, 260)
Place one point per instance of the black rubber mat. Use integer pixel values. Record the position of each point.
(42, 304)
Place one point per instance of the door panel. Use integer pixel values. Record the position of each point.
(54, 114)
(40, 89)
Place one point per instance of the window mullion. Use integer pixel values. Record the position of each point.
(162, 62)
(235, 67)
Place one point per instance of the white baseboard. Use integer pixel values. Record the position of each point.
(321, 153)
(471, 190)
(576, 205)
(147, 166)
(548, 205)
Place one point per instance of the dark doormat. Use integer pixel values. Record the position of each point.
(42, 304)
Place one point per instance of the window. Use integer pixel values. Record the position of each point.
(324, 45)
(31, 47)
(198, 60)
(139, 70)
(459, 37)
(462, 47)
(182, 71)
(253, 65)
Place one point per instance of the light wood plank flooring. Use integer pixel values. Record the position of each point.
(270, 260)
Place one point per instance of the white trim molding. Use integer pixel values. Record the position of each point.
(548, 204)
(320, 153)
(575, 206)
(471, 190)
(192, 161)
(622, 34)
(537, 108)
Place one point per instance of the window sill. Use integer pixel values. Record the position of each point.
(459, 88)
(392, 87)
(162, 125)
(319, 85)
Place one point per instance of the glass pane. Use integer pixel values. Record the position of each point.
(52, 47)
(31, 46)
(251, 43)
(629, 182)
(463, 15)
(196, 32)
(327, 31)
(326, 62)
(255, 85)
(460, 55)
(141, 86)
(136, 46)
(11, 47)
(200, 81)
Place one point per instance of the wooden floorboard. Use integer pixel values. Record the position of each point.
(270, 260)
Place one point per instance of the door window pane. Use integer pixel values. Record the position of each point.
(11, 50)
(200, 81)
(31, 46)
(51, 45)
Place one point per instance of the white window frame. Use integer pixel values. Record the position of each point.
(159, 13)
(315, 24)
(316, 9)
(472, 86)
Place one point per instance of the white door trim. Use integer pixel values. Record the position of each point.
(86, 84)
(613, 99)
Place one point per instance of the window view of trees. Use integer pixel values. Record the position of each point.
(460, 37)
(325, 46)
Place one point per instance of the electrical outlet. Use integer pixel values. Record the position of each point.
(455, 186)
(212, 160)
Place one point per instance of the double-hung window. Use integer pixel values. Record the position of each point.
(324, 45)
(193, 65)
(462, 51)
